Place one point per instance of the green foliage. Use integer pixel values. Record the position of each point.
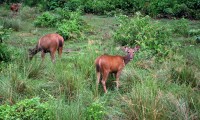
(74, 4)
(13, 23)
(147, 97)
(98, 7)
(70, 26)
(68, 29)
(146, 91)
(96, 111)
(194, 32)
(154, 8)
(29, 2)
(4, 34)
(5, 54)
(63, 13)
(26, 109)
(35, 71)
(171, 8)
(181, 10)
(45, 20)
(27, 12)
(140, 30)
(184, 76)
(181, 27)
(53, 4)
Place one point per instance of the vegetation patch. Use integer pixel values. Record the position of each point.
(140, 30)
(66, 89)
(5, 53)
(26, 109)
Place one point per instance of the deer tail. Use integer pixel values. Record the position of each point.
(97, 68)
(97, 64)
(60, 43)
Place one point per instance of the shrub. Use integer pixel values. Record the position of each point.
(32, 3)
(4, 34)
(62, 13)
(74, 4)
(28, 13)
(13, 23)
(181, 10)
(140, 30)
(26, 109)
(69, 24)
(181, 27)
(98, 7)
(5, 54)
(95, 111)
(68, 29)
(45, 20)
(71, 27)
(154, 8)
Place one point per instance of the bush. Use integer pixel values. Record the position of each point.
(69, 24)
(181, 10)
(98, 7)
(62, 13)
(13, 23)
(95, 111)
(4, 34)
(45, 20)
(140, 30)
(181, 27)
(74, 4)
(154, 8)
(5, 54)
(71, 27)
(29, 109)
(28, 13)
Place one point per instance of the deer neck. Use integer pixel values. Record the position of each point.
(127, 59)
(35, 50)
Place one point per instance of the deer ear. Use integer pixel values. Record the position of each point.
(137, 48)
(125, 48)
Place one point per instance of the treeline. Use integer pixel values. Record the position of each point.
(155, 8)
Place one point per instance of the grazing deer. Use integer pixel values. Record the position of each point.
(106, 64)
(15, 7)
(48, 43)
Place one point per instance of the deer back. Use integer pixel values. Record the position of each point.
(110, 63)
(51, 42)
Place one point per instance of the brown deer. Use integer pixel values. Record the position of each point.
(14, 7)
(48, 43)
(106, 64)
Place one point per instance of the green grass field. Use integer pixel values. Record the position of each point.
(149, 89)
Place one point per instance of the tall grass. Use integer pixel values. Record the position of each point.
(147, 88)
(15, 24)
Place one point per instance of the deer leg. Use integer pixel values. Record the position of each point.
(98, 80)
(98, 77)
(42, 55)
(52, 56)
(60, 51)
(105, 76)
(117, 79)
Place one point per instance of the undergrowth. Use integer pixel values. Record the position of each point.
(67, 89)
